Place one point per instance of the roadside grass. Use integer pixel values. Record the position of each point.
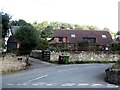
(86, 62)
(12, 71)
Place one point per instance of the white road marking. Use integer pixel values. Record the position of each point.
(38, 78)
(19, 84)
(83, 84)
(42, 83)
(68, 84)
(10, 84)
(35, 84)
(94, 85)
(67, 70)
(23, 84)
(49, 84)
(45, 84)
(111, 85)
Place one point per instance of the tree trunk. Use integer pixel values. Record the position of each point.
(27, 60)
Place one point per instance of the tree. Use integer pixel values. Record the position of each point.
(92, 27)
(118, 33)
(78, 27)
(20, 22)
(55, 25)
(42, 44)
(0, 43)
(27, 38)
(47, 32)
(5, 23)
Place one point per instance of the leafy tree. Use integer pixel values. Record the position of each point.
(0, 43)
(55, 25)
(20, 22)
(27, 38)
(5, 23)
(42, 44)
(93, 27)
(47, 32)
(118, 33)
(77, 26)
(115, 46)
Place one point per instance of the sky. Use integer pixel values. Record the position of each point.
(100, 13)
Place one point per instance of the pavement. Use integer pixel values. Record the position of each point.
(46, 75)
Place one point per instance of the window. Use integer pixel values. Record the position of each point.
(64, 39)
(60, 39)
(56, 40)
(104, 36)
(89, 40)
(73, 36)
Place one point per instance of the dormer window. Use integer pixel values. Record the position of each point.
(104, 36)
(73, 36)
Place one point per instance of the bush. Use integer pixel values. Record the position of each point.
(42, 44)
(115, 47)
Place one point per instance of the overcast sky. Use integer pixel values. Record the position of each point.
(101, 13)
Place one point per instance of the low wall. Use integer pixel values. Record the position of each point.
(112, 76)
(85, 56)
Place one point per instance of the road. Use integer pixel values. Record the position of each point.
(59, 76)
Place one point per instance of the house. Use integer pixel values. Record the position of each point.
(101, 38)
(12, 43)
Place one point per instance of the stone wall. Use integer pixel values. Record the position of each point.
(85, 56)
(113, 76)
(11, 63)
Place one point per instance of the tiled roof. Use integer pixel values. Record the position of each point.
(14, 29)
(79, 34)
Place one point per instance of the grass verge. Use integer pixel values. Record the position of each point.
(85, 62)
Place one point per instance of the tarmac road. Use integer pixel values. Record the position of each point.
(59, 76)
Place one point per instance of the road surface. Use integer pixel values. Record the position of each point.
(59, 76)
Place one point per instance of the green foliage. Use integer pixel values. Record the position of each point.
(85, 62)
(86, 46)
(45, 29)
(118, 33)
(27, 38)
(55, 25)
(42, 44)
(5, 23)
(1, 43)
(115, 46)
(20, 22)
(47, 32)
(92, 27)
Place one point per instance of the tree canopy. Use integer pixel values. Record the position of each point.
(27, 38)
(20, 22)
(118, 33)
(45, 29)
(5, 23)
